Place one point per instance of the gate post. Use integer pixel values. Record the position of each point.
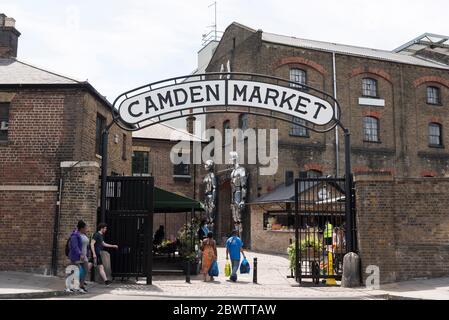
(348, 192)
(104, 173)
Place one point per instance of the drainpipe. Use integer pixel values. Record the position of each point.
(54, 255)
(334, 76)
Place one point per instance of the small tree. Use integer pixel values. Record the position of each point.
(188, 238)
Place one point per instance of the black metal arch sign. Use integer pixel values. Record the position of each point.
(228, 92)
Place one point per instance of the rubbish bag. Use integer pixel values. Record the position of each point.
(213, 270)
(227, 269)
(244, 266)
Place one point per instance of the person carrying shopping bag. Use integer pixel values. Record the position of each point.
(234, 246)
(209, 256)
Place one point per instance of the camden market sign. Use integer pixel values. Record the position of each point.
(171, 99)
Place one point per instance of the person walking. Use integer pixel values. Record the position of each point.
(97, 244)
(203, 231)
(79, 253)
(234, 246)
(209, 255)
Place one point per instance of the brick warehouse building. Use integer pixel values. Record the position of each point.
(151, 157)
(49, 158)
(396, 105)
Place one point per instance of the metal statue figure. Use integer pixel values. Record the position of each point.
(210, 192)
(239, 188)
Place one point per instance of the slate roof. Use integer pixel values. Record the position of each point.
(283, 193)
(13, 71)
(351, 50)
(162, 131)
(346, 49)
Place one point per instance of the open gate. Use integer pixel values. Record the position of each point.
(321, 227)
(129, 215)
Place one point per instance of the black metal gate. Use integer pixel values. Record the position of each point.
(129, 215)
(321, 227)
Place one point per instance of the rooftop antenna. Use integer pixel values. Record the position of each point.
(215, 19)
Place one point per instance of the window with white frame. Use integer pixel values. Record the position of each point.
(433, 95)
(299, 129)
(435, 139)
(369, 87)
(298, 76)
(371, 129)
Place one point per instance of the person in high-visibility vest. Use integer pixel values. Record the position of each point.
(328, 233)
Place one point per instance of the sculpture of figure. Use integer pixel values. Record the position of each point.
(210, 192)
(239, 187)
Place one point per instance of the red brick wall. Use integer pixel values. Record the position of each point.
(47, 127)
(26, 230)
(403, 226)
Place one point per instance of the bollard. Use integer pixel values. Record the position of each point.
(255, 271)
(188, 271)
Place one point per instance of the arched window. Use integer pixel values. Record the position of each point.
(298, 76)
(369, 87)
(314, 174)
(433, 95)
(435, 139)
(371, 129)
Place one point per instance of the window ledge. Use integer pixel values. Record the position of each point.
(368, 141)
(439, 104)
(437, 146)
(181, 177)
(298, 135)
(4, 142)
(371, 101)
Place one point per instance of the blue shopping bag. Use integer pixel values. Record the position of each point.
(82, 272)
(213, 270)
(244, 266)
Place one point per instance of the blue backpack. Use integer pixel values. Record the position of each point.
(244, 266)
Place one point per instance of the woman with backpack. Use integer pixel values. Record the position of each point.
(78, 251)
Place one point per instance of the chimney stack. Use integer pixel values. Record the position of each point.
(9, 37)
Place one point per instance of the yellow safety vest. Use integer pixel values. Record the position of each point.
(328, 230)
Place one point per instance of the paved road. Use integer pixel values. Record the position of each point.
(272, 284)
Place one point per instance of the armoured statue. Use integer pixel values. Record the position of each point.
(210, 192)
(239, 188)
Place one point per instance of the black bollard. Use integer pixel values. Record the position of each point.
(188, 271)
(255, 271)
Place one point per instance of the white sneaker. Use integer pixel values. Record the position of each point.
(81, 290)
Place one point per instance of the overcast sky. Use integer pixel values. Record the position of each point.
(118, 45)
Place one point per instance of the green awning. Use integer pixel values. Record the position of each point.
(167, 202)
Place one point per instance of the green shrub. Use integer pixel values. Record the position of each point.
(188, 238)
(304, 245)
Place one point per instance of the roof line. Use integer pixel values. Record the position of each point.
(334, 43)
(48, 71)
(414, 40)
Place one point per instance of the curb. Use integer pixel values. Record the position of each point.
(388, 296)
(35, 295)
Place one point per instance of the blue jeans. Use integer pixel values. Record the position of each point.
(235, 266)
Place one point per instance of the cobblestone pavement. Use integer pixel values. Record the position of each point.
(272, 284)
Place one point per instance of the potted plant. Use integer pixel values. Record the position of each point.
(188, 238)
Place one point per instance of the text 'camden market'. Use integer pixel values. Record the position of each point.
(239, 93)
